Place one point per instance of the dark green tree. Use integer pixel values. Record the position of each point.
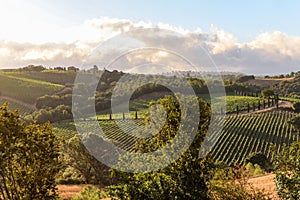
(296, 107)
(78, 157)
(185, 178)
(29, 158)
(287, 173)
(267, 92)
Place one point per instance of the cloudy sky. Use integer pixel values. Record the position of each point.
(256, 37)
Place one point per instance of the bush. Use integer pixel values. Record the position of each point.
(245, 78)
(295, 122)
(267, 92)
(232, 183)
(57, 114)
(259, 159)
(287, 174)
(90, 193)
(296, 107)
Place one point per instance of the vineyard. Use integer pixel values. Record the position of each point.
(243, 135)
(24, 89)
(240, 136)
(109, 127)
(13, 106)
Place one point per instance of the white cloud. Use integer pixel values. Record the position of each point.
(274, 52)
(277, 43)
(222, 41)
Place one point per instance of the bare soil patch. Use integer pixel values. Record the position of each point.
(68, 191)
(266, 183)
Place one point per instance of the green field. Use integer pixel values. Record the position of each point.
(24, 89)
(50, 76)
(293, 100)
(242, 102)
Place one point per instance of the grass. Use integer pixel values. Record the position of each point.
(291, 99)
(49, 76)
(24, 89)
(241, 101)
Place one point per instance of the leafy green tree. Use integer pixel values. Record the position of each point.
(287, 173)
(78, 157)
(232, 183)
(185, 178)
(267, 92)
(29, 158)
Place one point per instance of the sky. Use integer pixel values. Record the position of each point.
(256, 37)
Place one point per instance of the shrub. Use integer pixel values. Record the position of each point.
(287, 174)
(90, 193)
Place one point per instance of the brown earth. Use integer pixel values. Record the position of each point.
(266, 183)
(68, 191)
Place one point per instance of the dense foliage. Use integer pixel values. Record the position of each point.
(185, 178)
(288, 87)
(29, 158)
(287, 172)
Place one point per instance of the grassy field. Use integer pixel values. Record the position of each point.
(55, 77)
(241, 101)
(293, 100)
(24, 89)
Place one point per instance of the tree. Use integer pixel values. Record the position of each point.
(287, 174)
(267, 92)
(78, 157)
(296, 107)
(260, 159)
(185, 178)
(29, 158)
(232, 183)
(295, 122)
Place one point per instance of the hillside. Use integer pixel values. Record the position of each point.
(25, 89)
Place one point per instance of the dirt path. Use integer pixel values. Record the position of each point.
(68, 191)
(31, 106)
(266, 183)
